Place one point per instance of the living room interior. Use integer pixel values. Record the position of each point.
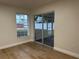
(39, 29)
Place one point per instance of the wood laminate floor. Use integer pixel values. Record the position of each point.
(32, 50)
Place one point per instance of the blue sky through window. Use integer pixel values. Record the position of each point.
(39, 23)
(21, 19)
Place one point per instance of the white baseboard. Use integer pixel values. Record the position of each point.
(15, 44)
(67, 52)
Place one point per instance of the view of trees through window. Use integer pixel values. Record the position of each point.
(22, 25)
(39, 23)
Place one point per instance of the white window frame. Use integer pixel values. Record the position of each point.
(27, 25)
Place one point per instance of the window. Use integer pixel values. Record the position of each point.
(38, 22)
(22, 25)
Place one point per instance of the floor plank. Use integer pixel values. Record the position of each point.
(32, 50)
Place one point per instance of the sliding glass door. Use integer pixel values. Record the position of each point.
(44, 32)
(48, 33)
(38, 28)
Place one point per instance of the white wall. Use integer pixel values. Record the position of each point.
(66, 24)
(8, 35)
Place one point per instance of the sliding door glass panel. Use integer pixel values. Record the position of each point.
(50, 36)
(47, 31)
(38, 28)
(44, 29)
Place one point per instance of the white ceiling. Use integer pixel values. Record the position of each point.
(26, 3)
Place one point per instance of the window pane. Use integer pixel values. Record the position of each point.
(25, 16)
(22, 25)
(38, 22)
(39, 19)
(17, 17)
(49, 26)
(22, 17)
(38, 25)
(45, 26)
